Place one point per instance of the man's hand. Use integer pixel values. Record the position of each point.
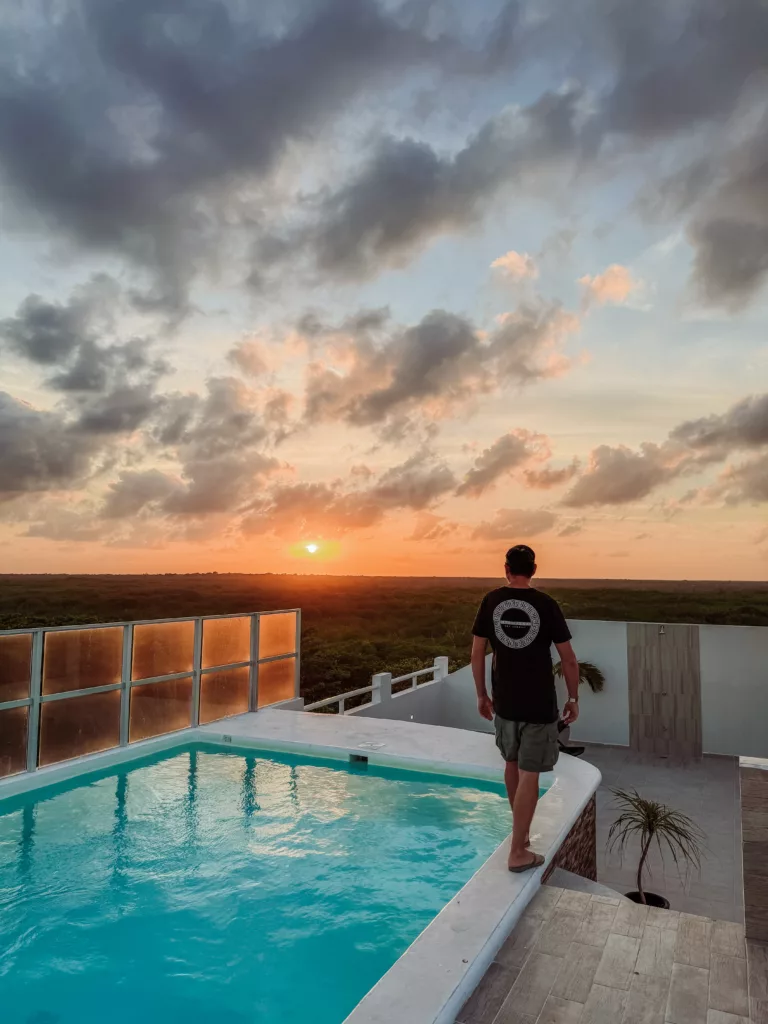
(485, 707)
(570, 712)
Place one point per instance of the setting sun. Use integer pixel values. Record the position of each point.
(311, 548)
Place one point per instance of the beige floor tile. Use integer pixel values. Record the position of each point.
(688, 994)
(728, 984)
(647, 1000)
(718, 1017)
(693, 941)
(663, 918)
(485, 1002)
(596, 924)
(543, 903)
(518, 946)
(573, 900)
(604, 1006)
(630, 920)
(560, 1011)
(614, 901)
(617, 963)
(577, 973)
(558, 932)
(530, 990)
(657, 950)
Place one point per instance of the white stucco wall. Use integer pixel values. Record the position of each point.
(734, 690)
(603, 717)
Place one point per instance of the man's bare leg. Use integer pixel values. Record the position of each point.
(526, 798)
(511, 778)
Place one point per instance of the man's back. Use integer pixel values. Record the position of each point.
(521, 624)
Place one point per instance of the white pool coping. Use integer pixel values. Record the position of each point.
(433, 978)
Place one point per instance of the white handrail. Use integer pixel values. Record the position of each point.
(381, 686)
(413, 675)
(338, 699)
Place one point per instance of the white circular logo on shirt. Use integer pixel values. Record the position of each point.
(516, 631)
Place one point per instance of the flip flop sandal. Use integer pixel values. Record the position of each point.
(537, 861)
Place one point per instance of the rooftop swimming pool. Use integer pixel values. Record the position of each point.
(234, 887)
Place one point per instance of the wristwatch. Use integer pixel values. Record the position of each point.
(572, 700)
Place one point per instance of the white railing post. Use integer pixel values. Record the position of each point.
(342, 705)
(382, 688)
(441, 668)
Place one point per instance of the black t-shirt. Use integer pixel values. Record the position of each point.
(522, 624)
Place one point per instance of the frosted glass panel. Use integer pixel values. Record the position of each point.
(277, 681)
(226, 641)
(277, 634)
(157, 708)
(79, 725)
(15, 660)
(224, 693)
(77, 659)
(162, 649)
(13, 740)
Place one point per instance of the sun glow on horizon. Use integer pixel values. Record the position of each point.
(311, 548)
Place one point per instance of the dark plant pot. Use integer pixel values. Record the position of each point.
(651, 898)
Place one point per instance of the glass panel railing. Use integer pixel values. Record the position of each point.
(13, 740)
(162, 649)
(276, 681)
(157, 708)
(15, 666)
(66, 692)
(277, 634)
(226, 641)
(79, 659)
(79, 725)
(224, 693)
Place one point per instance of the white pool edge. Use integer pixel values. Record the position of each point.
(432, 979)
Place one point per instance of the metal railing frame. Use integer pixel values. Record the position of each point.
(37, 698)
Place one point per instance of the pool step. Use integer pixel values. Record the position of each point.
(568, 880)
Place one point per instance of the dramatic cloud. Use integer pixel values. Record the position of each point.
(746, 481)
(613, 286)
(618, 475)
(547, 478)
(39, 450)
(571, 529)
(383, 371)
(250, 357)
(744, 425)
(123, 121)
(505, 454)
(330, 509)
(512, 525)
(428, 526)
(406, 193)
(48, 333)
(516, 266)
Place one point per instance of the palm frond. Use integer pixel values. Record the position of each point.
(651, 821)
(588, 673)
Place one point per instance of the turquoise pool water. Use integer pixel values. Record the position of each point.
(227, 887)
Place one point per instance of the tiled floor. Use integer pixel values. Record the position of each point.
(707, 791)
(580, 959)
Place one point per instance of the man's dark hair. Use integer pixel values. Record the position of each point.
(521, 560)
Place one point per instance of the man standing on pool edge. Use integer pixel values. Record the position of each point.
(521, 624)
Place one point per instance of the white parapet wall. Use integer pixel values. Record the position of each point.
(734, 691)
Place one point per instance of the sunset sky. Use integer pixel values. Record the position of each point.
(406, 282)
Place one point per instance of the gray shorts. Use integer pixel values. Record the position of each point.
(533, 746)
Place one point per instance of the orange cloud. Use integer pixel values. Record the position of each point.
(612, 287)
(516, 265)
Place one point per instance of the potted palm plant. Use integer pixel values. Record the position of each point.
(652, 822)
(588, 673)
